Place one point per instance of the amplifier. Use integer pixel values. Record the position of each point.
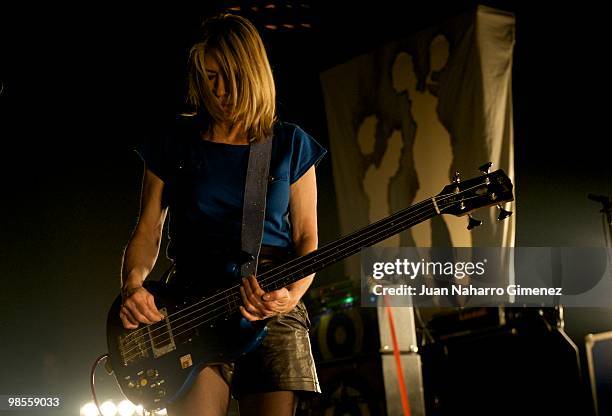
(457, 323)
(487, 361)
(341, 329)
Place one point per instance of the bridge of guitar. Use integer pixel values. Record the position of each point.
(157, 340)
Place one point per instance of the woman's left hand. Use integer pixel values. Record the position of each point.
(261, 305)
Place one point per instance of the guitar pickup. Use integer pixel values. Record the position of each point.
(161, 336)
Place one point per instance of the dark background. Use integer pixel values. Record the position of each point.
(82, 84)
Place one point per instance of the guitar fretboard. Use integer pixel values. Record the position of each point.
(331, 253)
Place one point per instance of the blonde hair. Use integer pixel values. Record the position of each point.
(242, 58)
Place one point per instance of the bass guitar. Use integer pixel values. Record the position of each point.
(156, 364)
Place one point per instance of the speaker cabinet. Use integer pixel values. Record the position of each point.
(527, 367)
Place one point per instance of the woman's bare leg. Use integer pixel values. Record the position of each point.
(277, 403)
(209, 396)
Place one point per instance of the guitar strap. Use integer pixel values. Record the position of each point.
(254, 206)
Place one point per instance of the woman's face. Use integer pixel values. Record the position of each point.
(215, 80)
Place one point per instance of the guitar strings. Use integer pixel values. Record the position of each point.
(283, 269)
(207, 320)
(397, 225)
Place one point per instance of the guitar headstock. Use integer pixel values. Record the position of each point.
(462, 197)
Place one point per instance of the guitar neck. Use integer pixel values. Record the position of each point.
(333, 252)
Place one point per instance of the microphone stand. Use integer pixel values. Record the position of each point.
(606, 213)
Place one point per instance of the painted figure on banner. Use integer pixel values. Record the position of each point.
(432, 149)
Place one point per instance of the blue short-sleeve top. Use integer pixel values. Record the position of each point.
(204, 185)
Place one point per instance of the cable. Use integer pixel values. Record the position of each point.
(93, 381)
(398, 360)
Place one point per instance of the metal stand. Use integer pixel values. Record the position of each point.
(410, 361)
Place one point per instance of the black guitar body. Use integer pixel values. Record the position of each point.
(156, 364)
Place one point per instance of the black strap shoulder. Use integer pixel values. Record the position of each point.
(254, 207)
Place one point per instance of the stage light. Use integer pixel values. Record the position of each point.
(139, 410)
(89, 410)
(108, 408)
(126, 408)
(162, 412)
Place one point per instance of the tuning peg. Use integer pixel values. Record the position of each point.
(485, 168)
(456, 177)
(473, 223)
(503, 214)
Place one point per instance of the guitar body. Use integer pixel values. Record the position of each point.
(156, 364)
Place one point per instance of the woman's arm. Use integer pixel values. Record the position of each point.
(303, 212)
(141, 254)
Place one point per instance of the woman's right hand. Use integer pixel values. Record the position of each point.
(138, 307)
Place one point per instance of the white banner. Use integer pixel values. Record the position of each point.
(403, 118)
